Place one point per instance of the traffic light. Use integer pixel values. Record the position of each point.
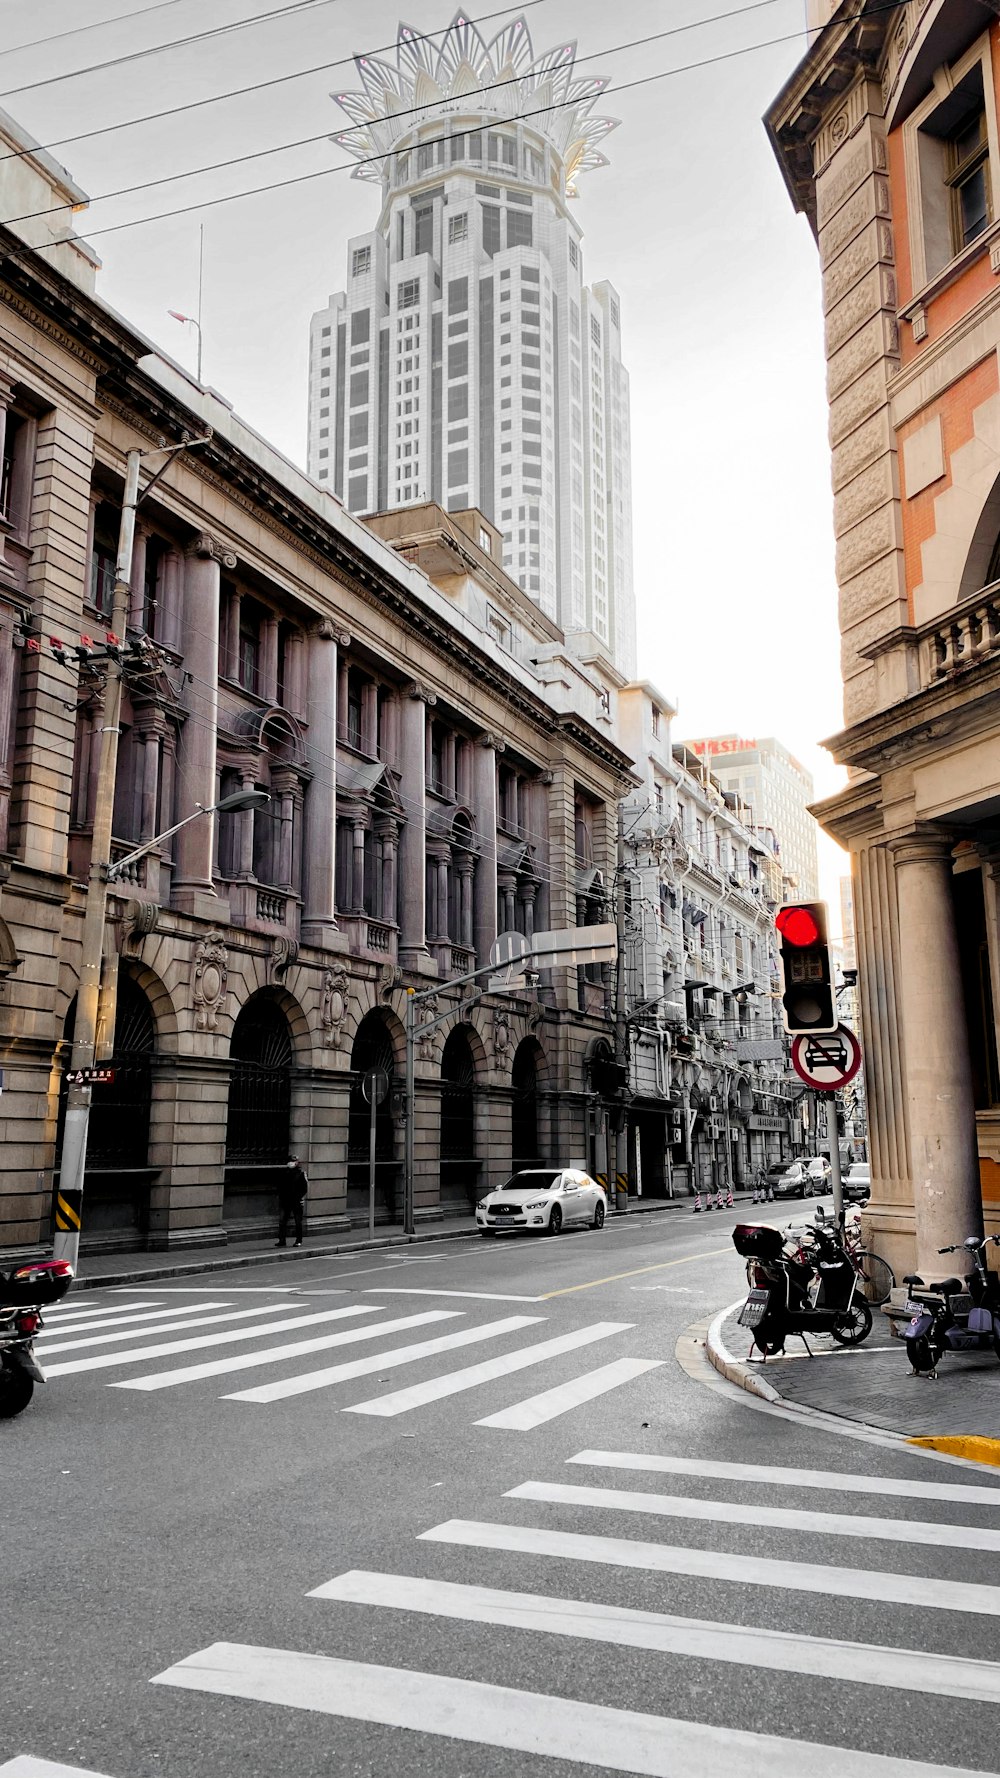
(808, 1000)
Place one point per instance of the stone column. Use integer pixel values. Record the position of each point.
(358, 864)
(389, 831)
(268, 677)
(342, 673)
(170, 595)
(196, 752)
(244, 819)
(412, 840)
(369, 718)
(465, 867)
(484, 808)
(526, 895)
(283, 790)
(507, 884)
(448, 762)
(991, 899)
(150, 734)
(941, 1114)
(6, 397)
(294, 658)
(137, 582)
(443, 910)
(319, 911)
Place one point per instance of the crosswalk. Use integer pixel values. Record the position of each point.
(884, 1655)
(169, 1343)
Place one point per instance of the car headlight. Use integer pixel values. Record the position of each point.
(537, 1204)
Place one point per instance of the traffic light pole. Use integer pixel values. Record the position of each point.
(834, 1141)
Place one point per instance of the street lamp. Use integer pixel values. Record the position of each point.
(228, 805)
(69, 1198)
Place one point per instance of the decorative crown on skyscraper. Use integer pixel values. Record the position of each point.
(458, 70)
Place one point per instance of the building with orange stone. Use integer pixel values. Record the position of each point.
(888, 137)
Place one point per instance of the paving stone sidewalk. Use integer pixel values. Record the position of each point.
(872, 1384)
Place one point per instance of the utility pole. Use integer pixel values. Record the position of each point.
(622, 1046)
(69, 1197)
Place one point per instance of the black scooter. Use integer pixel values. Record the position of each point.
(813, 1294)
(955, 1314)
(23, 1294)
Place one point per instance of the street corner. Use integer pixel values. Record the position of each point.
(721, 1339)
(973, 1447)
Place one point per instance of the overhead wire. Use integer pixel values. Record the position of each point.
(391, 154)
(140, 55)
(324, 135)
(260, 86)
(117, 18)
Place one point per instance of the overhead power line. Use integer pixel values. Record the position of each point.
(116, 18)
(349, 166)
(324, 135)
(260, 86)
(158, 49)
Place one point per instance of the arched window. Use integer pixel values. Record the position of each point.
(260, 1089)
(459, 1165)
(372, 1051)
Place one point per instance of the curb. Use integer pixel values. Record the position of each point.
(730, 1367)
(234, 1262)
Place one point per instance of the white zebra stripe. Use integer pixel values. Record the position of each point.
(164, 1321)
(524, 1416)
(364, 1367)
(105, 1360)
(245, 1361)
(669, 1506)
(454, 1382)
(744, 1645)
(970, 1597)
(526, 1722)
(955, 1493)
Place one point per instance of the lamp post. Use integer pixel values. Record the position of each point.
(69, 1198)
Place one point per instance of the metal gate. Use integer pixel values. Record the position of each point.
(260, 1090)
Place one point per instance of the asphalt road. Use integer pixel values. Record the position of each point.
(462, 1512)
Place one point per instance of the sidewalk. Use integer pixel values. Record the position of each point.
(141, 1267)
(871, 1385)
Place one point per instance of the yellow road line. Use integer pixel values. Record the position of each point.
(615, 1276)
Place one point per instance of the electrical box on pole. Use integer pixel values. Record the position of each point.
(808, 997)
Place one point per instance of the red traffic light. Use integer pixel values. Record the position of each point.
(798, 926)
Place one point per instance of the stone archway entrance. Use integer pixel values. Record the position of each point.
(118, 1175)
(259, 1113)
(372, 1049)
(460, 1166)
(525, 1138)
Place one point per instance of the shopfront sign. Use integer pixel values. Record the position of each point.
(765, 1120)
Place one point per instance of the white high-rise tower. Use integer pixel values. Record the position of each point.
(467, 362)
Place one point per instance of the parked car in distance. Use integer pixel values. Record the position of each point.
(858, 1183)
(819, 1172)
(794, 1182)
(776, 1172)
(543, 1199)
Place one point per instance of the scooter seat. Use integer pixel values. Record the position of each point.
(949, 1286)
(913, 1278)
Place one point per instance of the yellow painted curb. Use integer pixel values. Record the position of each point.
(959, 1444)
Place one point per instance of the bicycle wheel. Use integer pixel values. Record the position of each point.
(877, 1276)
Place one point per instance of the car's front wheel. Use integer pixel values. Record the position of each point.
(555, 1220)
(599, 1214)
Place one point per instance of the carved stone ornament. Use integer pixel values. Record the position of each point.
(502, 1041)
(206, 545)
(211, 981)
(138, 921)
(284, 951)
(429, 1010)
(333, 1009)
(389, 979)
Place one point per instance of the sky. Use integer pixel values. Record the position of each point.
(719, 284)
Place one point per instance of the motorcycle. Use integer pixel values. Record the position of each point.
(23, 1294)
(808, 1289)
(955, 1314)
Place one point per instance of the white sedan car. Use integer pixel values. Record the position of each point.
(543, 1199)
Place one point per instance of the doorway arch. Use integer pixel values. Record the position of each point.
(258, 1117)
(372, 1049)
(459, 1163)
(525, 1139)
(118, 1174)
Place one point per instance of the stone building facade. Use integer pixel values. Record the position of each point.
(712, 1104)
(888, 138)
(440, 769)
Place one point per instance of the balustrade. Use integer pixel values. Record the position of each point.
(272, 908)
(964, 637)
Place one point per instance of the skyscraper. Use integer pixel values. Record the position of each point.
(779, 791)
(467, 362)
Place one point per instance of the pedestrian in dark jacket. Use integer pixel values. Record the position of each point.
(292, 1188)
